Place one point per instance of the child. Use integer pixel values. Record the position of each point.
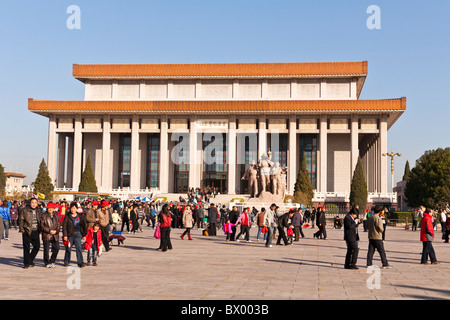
(290, 234)
(93, 243)
(227, 229)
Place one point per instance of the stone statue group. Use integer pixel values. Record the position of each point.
(265, 177)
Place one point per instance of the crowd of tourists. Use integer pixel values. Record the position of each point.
(89, 226)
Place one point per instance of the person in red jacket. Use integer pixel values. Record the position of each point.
(93, 244)
(427, 236)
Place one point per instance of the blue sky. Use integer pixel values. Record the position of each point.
(409, 56)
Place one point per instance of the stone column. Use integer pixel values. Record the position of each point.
(61, 160)
(232, 156)
(193, 156)
(262, 137)
(323, 154)
(292, 161)
(354, 143)
(51, 155)
(77, 153)
(164, 157)
(134, 165)
(382, 148)
(69, 178)
(106, 183)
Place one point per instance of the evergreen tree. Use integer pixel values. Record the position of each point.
(358, 188)
(2, 181)
(429, 180)
(43, 183)
(407, 173)
(303, 190)
(88, 183)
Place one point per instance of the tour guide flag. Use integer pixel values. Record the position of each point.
(40, 195)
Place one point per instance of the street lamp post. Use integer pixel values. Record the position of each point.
(392, 155)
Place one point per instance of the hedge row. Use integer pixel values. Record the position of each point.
(401, 216)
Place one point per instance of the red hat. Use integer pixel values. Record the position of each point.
(51, 205)
(105, 203)
(95, 203)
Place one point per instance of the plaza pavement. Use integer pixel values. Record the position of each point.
(211, 268)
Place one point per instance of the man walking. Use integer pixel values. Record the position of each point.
(297, 222)
(103, 216)
(270, 223)
(321, 223)
(29, 227)
(213, 215)
(375, 227)
(415, 218)
(351, 237)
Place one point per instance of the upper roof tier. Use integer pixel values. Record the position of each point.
(222, 70)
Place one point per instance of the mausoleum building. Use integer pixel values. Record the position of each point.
(167, 128)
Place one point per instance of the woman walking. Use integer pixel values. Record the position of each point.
(427, 236)
(188, 222)
(74, 231)
(165, 219)
(134, 219)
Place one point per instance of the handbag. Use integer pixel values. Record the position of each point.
(157, 234)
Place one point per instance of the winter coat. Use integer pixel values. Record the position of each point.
(297, 219)
(48, 223)
(213, 215)
(227, 228)
(270, 219)
(104, 217)
(91, 217)
(90, 239)
(260, 219)
(188, 220)
(283, 221)
(4, 212)
(14, 213)
(241, 218)
(375, 227)
(26, 219)
(2, 228)
(233, 216)
(321, 218)
(426, 228)
(68, 226)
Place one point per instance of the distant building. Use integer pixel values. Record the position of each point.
(14, 180)
(401, 199)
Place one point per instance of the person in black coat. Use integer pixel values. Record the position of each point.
(134, 218)
(351, 237)
(74, 229)
(284, 222)
(233, 217)
(125, 219)
(213, 215)
(321, 222)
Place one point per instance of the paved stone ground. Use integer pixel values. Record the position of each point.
(211, 268)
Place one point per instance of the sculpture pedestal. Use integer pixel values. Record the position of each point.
(267, 197)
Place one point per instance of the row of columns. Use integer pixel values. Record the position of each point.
(56, 150)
